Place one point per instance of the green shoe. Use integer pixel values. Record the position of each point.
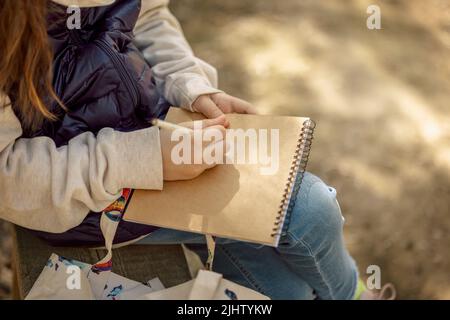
(362, 293)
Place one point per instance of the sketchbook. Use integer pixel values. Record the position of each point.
(242, 199)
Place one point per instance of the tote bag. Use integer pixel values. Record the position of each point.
(66, 279)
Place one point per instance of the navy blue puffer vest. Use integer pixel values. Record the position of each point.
(104, 81)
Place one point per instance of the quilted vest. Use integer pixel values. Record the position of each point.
(104, 81)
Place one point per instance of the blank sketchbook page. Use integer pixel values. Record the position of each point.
(231, 201)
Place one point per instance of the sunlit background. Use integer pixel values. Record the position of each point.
(381, 100)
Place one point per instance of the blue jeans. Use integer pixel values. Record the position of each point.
(310, 262)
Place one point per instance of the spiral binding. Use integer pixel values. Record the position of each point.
(296, 174)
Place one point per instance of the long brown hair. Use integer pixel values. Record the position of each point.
(26, 59)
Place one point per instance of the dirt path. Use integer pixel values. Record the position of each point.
(381, 101)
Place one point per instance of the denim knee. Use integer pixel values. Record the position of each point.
(316, 217)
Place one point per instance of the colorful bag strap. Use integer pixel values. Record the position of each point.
(109, 223)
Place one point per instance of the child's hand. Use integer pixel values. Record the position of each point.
(215, 105)
(172, 171)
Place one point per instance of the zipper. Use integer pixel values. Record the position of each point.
(123, 71)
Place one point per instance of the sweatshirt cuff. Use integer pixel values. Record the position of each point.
(138, 161)
(189, 88)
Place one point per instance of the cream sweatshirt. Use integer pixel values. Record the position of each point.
(53, 189)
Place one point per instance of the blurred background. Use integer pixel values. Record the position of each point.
(381, 100)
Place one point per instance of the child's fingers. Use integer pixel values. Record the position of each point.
(214, 154)
(213, 142)
(202, 124)
(221, 121)
(216, 130)
(207, 107)
(242, 106)
(212, 135)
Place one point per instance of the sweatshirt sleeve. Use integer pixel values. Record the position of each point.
(180, 76)
(52, 189)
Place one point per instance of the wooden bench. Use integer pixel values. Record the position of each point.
(136, 262)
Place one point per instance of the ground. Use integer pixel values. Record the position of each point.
(381, 102)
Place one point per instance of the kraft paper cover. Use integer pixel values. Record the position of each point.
(230, 201)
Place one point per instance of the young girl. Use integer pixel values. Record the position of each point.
(74, 110)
